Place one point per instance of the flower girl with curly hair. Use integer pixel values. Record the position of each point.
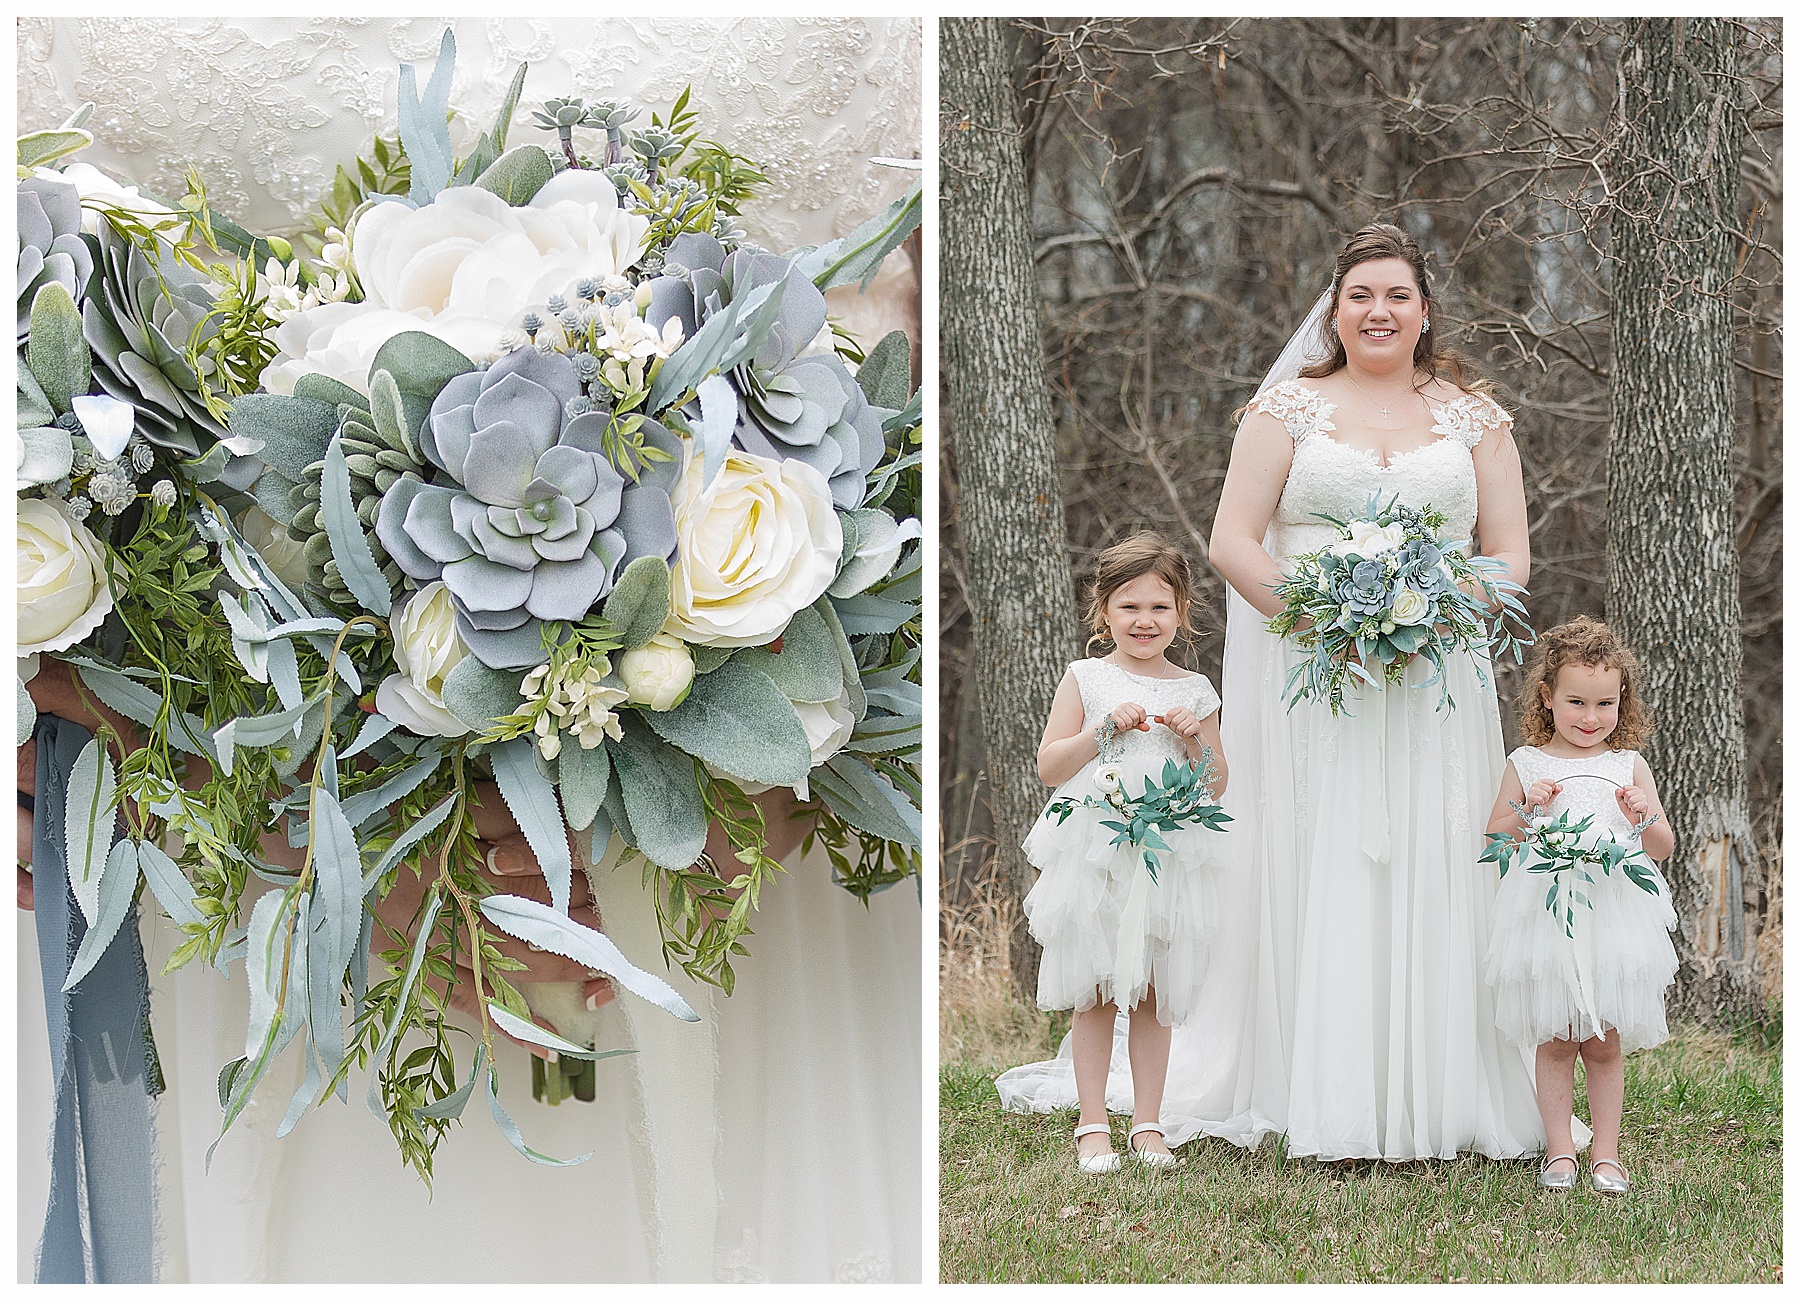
(1114, 933)
(1585, 978)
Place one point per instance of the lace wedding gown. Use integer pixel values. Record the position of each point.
(1344, 1004)
(800, 1158)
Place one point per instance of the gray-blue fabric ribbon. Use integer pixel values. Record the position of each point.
(100, 1224)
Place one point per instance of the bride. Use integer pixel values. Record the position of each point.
(787, 1146)
(1345, 1008)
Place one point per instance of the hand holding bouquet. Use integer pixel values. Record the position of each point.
(1386, 591)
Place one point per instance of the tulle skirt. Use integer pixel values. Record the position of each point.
(1344, 1004)
(1108, 931)
(1606, 969)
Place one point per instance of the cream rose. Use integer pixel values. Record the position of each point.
(63, 592)
(657, 674)
(762, 542)
(1108, 778)
(1410, 607)
(828, 726)
(1369, 540)
(426, 648)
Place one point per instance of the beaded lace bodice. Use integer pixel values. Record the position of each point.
(1328, 477)
(1587, 784)
(1105, 686)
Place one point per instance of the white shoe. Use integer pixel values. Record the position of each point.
(1101, 1163)
(1150, 1160)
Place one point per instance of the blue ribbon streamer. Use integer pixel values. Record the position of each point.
(99, 1226)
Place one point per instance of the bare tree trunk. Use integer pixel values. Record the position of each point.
(998, 404)
(1672, 559)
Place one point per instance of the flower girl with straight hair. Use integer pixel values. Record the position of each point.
(1115, 934)
(1587, 978)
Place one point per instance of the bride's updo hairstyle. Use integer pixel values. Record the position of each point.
(1124, 562)
(1588, 642)
(1374, 243)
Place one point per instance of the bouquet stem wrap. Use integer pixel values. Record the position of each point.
(99, 1226)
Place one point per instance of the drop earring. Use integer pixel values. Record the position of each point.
(1426, 328)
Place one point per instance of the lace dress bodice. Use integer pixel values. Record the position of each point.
(1105, 686)
(1328, 477)
(1587, 784)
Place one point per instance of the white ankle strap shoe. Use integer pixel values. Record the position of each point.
(1101, 1163)
(1151, 1160)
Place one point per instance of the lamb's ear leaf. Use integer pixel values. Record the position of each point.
(638, 605)
(660, 797)
(736, 719)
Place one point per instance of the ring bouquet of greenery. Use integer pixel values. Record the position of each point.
(1182, 798)
(1568, 850)
(1390, 590)
(540, 473)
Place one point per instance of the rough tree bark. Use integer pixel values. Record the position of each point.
(1672, 559)
(1002, 434)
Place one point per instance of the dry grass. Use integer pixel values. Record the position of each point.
(1702, 1138)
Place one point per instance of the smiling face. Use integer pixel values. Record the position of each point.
(1584, 706)
(1143, 617)
(1379, 314)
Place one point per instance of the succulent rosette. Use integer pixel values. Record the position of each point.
(1388, 591)
(523, 526)
(546, 478)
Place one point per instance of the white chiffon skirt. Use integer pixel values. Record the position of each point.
(1345, 1004)
(817, 1132)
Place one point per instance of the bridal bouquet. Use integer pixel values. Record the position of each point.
(1567, 852)
(1386, 591)
(1183, 798)
(538, 472)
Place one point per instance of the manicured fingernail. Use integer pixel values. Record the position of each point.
(492, 854)
(595, 999)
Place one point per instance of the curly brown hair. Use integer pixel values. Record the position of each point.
(1586, 641)
(1140, 554)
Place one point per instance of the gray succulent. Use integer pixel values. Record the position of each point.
(534, 525)
(51, 249)
(804, 408)
(139, 318)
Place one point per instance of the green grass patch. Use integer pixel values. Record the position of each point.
(1702, 1141)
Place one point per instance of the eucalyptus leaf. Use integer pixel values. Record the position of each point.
(451, 1105)
(660, 796)
(714, 344)
(374, 727)
(434, 903)
(303, 1097)
(718, 419)
(531, 921)
(531, 1032)
(859, 255)
(638, 605)
(89, 820)
(118, 882)
(337, 893)
(867, 800)
(533, 804)
(511, 1131)
(410, 837)
(164, 877)
(349, 546)
(363, 805)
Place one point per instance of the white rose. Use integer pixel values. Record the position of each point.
(426, 648)
(63, 592)
(92, 183)
(1369, 540)
(1410, 607)
(464, 268)
(828, 725)
(275, 545)
(1108, 778)
(657, 674)
(762, 542)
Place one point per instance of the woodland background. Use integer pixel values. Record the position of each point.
(1190, 181)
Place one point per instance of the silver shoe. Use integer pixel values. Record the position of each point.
(1606, 1183)
(1101, 1163)
(1559, 1181)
